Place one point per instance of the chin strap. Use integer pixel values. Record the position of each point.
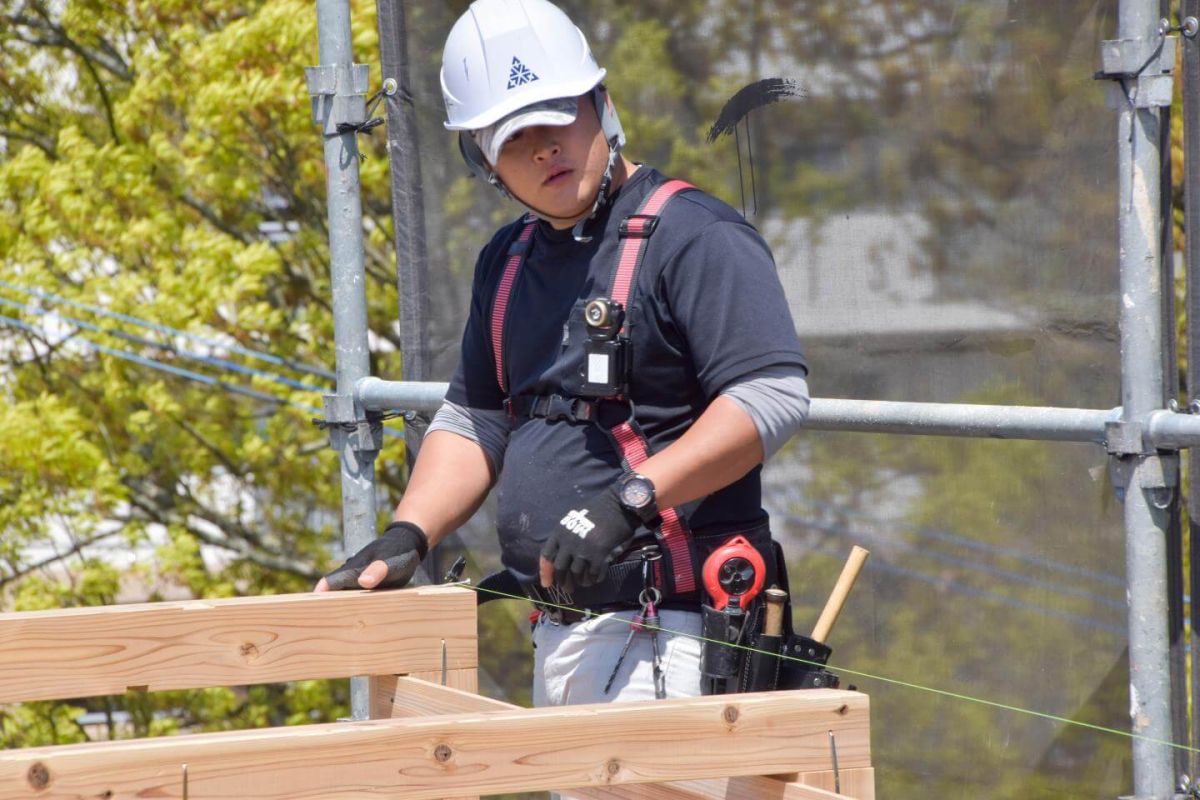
(614, 152)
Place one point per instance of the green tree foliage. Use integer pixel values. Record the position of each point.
(143, 146)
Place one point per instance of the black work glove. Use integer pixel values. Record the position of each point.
(586, 540)
(401, 547)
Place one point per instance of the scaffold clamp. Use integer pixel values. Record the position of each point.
(1142, 69)
(344, 417)
(338, 94)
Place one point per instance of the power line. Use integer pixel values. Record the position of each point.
(985, 594)
(949, 537)
(214, 361)
(958, 561)
(168, 330)
(181, 372)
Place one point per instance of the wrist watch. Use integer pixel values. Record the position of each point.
(636, 494)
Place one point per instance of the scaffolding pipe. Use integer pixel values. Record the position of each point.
(1165, 430)
(1191, 245)
(356, 457)
(1139, 160)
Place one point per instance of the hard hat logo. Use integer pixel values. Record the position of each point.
(520, 74)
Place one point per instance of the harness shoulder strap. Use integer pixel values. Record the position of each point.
(516, 257)
(635, 232)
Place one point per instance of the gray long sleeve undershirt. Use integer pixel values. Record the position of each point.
(776, 398)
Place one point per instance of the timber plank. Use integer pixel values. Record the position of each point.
(465, 679)
(464, 754)
(748, 787)
(396, 696)
(84, 652)
(858, 783)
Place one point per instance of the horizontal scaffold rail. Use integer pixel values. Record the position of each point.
(1162, 429)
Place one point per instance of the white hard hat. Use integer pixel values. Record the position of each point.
(503, 55)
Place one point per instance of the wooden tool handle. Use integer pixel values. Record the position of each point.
(776, 600)
(854, 565)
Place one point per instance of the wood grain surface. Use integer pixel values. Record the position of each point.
(400, 696)
(194, 644)
(463, 754)
(857, 784)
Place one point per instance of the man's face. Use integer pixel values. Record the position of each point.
(556, 169)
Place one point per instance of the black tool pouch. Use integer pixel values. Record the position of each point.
(767, 663)
(720, 659)
(803, 665)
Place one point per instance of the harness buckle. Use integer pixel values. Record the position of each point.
(638, 226)
(555, 407)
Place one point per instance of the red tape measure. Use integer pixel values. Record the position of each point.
(735, 569)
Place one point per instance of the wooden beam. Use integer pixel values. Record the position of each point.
(465, 679)
(406, 696)
(464, 754)
(743, 788)
(858, 783)
(400, 696)
(194, 644)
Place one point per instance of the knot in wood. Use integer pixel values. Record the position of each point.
(442, 753)
(613, 766)
(249, 650)
(843, 709)
(39, 776)
(730, 714)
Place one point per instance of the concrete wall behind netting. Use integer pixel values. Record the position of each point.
(937, 181)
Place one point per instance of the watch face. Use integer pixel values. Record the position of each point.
(636, 492)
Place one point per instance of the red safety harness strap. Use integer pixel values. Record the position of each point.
(675, 536)
(512, 267)
(635, 234)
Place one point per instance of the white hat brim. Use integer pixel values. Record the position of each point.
(509, 127)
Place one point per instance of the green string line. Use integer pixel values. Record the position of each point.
(869, 676)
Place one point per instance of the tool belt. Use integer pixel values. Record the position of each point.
(620, 589)
(738, 656)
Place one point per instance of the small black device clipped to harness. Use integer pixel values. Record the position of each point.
(605, 352)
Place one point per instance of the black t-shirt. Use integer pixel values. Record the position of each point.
(707, 309)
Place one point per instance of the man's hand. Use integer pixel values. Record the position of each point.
(587, 539)
(386, 563)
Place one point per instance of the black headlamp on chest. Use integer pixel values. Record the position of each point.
(605, 351)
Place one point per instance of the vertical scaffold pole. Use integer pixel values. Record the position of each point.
(1142, 473)
(337, 87)
(1191, 186)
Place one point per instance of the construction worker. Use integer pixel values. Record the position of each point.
(628, 363)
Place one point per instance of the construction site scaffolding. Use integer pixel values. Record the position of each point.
(1143, 436)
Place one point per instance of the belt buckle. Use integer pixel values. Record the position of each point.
(582, 410)
(558, 408)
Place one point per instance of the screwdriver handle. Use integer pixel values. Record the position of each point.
(776, 600)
